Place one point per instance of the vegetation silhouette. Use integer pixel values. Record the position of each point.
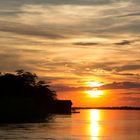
(24, 98)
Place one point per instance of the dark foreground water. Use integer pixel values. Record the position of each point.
(86, 125)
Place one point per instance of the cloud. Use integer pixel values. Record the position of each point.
(67, 88)
(130, 93)
(131, 14)
(94, 67)
(134, 75)
(97, 17)
(120, 85)
(58, 78)
(86, 43)
(16, 59)
(60, 2)
(113, 66)
(125, 27)
(24, 29)
(51, 26)
(128, 67)
(10, 62)
(124, 42)
(8, 12)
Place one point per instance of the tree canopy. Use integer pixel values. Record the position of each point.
(24, 84)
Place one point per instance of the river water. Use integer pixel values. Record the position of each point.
(86, 125)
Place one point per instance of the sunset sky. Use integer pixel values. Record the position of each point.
(88, 49)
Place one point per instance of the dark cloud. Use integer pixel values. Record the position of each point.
(128, 67)
(7, 13)
(124, 42)
(86, 43)
(131, 14)
(58, 78)
(129, 93)
(31, 51)
(120, 85)
(67, 88)
(127, 74)
(132, 75)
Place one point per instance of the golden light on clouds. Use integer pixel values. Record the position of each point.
(94, 84)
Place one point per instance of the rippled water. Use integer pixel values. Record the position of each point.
(86, 125)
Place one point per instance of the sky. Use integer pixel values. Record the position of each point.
(88, 49)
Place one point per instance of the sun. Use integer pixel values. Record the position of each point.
(95, 93)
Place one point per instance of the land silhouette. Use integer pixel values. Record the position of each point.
(25, 98)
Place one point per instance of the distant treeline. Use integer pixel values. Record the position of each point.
(110, 108)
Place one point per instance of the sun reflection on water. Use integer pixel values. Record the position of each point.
(94, 124)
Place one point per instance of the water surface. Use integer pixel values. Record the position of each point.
(86, 125)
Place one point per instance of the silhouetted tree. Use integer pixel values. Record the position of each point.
(24, 84)
(23, 97)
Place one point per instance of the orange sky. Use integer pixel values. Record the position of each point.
(74, 42)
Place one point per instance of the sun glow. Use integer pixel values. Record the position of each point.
(94, 84)
(95, 93)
